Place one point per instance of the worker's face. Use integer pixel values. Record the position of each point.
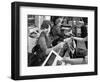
(59, 21)
(59, 24)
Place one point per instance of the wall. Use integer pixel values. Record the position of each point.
(5, 40)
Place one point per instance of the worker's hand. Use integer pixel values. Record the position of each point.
(67, 39)
(72, 37)
(60, 45)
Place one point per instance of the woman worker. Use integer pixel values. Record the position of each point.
(57, 34)
(45, 42)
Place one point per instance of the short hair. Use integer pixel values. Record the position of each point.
(54, 19)
(57, 21)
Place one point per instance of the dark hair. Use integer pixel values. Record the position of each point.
(83, 31)
(54, 18)
(45, 24)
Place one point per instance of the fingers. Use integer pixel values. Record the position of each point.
(61, 44)
(67, 39)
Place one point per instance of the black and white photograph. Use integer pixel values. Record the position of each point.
(53, 40)
(57, 40)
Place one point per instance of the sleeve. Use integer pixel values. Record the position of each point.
(42, 44)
